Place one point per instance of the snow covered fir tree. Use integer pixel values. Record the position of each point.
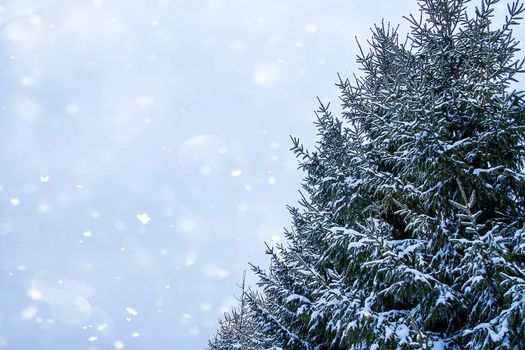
(238, 330)
(411, 231)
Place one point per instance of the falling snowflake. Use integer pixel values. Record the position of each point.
(144, 218)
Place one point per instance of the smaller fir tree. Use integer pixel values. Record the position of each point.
(238, 330)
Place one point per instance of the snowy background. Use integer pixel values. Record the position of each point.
(144, 156)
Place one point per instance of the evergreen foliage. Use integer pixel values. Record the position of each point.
(238, 330)
(411, 233)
